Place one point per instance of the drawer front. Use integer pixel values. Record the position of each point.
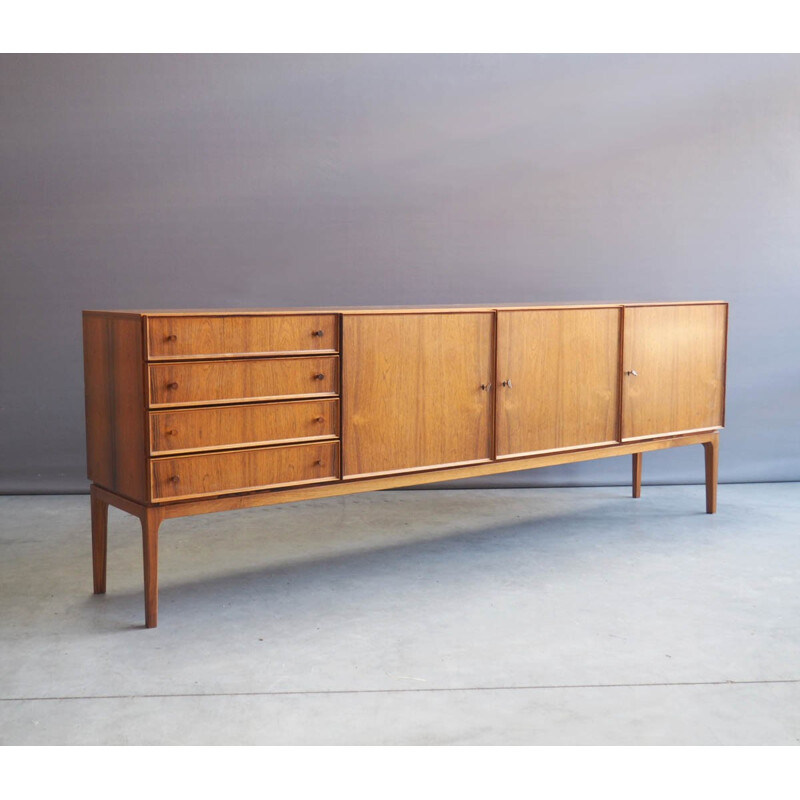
(212, 337)
(239, 426)
(206, 382)
(243, 470)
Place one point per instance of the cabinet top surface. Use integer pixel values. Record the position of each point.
(380, 309)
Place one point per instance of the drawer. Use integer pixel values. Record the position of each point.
(239, 426)
(243, 470)
(185, 337)
(207, 382)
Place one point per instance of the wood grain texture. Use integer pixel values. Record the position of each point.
(420, 404)
(678, 355)
(151, 520)
(240, 470)
(99, 510)
(557, 379)
(378, 483)
(411, 391)
(186, 430)
(418, 309)
(205, 382)
(184, 508)
(218, 336)
(711, 448)
(636, 474)
(116, 440)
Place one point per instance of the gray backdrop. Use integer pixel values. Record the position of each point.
(223, 181)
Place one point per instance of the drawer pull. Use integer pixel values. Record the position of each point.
(172, 337)
(318, 333)
(175, 479)
(172, 385)
(172, 432)
(507, 384)
(318, 463)
(320, 419)
(486, 386)
(319, 376)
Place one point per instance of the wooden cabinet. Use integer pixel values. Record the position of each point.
(416, 391)
(192, 412)
(673, 369)
(557, 379)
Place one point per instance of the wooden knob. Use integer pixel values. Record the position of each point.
(318, 333)
(319, 376)
(172, 385)
(318, 462)
(320, 419)
(172, 432)
(175, 479)
(172, 337)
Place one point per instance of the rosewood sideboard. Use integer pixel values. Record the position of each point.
(189, 412)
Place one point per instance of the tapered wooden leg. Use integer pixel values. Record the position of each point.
(151, 520)
(712, 468)
(637, 474)
(99, 540)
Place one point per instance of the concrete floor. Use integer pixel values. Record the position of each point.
(523, 616)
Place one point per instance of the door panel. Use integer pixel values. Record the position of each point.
(678, 355)
(411, 391)
(561, 374)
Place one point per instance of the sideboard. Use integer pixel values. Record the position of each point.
(189, 412)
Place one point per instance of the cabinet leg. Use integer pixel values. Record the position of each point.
(637, 474)
(712, 468)
(151, 520)
(99, 540)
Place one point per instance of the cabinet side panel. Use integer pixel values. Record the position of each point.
(115, 420)
(96, 369)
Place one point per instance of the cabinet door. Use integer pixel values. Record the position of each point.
(673, 369)
(558, 379)
(411, 391)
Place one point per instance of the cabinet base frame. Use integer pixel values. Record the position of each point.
(152, 515)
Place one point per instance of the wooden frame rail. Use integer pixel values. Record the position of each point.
(152, 515)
